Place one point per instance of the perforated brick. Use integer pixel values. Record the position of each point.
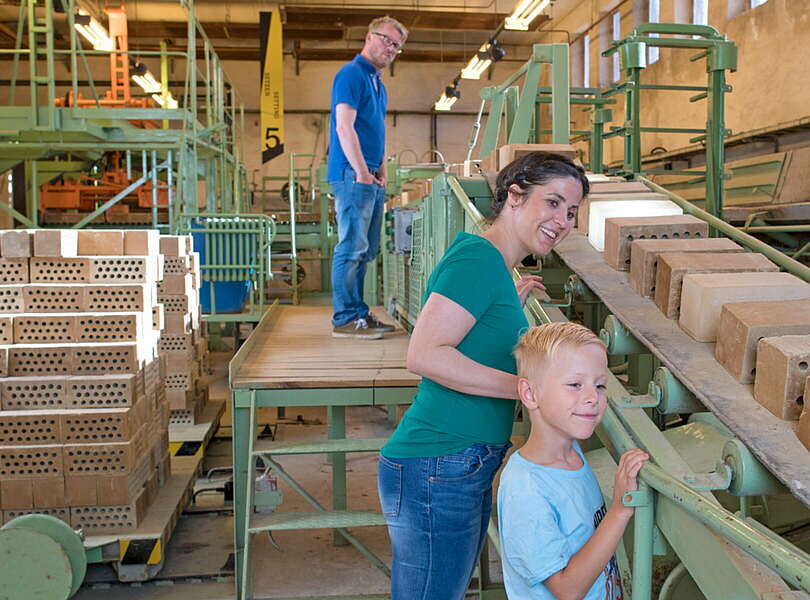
(56, 243)
(16, 243)
(108, 328)
(124, 269)
(176, 343)
(158, 318)
(105, 391)
(11, 299)
(782, 368)
(115, 298)
(620, 232)
(52, 298)
(6, 330)
(101, 242)
(103, 459)
(32, 360)
(176, 284)
(109, 519)
(99, 426)
(62, 513)
(175, 303)
(23, 428)
(105, 359)
(44, 329)
(176, 323)
(14, 270)
(60, 270)
(23, 462)
(33, 393)
(180, 381)
(177, 265)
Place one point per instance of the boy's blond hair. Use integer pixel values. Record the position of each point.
(540, 343)
(386, 20)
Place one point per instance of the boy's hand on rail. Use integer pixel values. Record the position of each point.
(626, 479)
(526, 284)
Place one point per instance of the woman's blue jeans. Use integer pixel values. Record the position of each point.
(359, 211)
(438, 510)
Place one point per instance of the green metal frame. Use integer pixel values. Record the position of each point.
(516, 112)
(203, 142)
(720, 55)
(236, 248)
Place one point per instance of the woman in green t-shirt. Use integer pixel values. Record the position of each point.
(435, 473)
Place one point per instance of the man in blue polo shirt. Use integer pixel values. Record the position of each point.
(357, 174)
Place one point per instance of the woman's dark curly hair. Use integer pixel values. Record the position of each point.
(535, 168)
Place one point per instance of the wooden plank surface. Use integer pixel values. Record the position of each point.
(772, 440)
(296, 350)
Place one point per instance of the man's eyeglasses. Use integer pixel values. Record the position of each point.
(388, 41)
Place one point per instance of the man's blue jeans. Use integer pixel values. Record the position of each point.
(438, 511)
(359, 208)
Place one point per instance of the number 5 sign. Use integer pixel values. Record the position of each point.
(272, 85)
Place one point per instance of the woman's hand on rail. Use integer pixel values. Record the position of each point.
(432, 352)
(526, 284)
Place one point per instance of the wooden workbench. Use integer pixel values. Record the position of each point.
(772, 440)
(293, 348)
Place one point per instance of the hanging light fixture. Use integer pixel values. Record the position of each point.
(525, 12)
(449, 96)
(93, 31)
(477, 65)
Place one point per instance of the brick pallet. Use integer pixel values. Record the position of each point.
(83, 407)
(183, 341)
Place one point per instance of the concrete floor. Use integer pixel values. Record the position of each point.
(199, 563)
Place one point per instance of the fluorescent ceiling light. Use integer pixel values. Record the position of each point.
(95, 33)
(148, 83)
(476, 66)
(525, 12)
(170, 101)
(445, 102)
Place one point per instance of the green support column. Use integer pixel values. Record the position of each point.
(336, 416)
(493, 127)
(525, 107)
(242, 477)
(560, 91)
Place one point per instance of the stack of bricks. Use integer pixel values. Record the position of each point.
(83, 411)
(182, 337)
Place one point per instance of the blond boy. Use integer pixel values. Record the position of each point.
(558, 540)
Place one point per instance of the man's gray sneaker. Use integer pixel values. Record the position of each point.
(359, 328)
(375, 323)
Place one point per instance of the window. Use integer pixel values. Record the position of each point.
(700, 12)
(654, 16)
(755, 3)
(586, 60)
(617, 35)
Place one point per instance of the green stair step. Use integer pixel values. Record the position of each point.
(319, 447)
(314, 520)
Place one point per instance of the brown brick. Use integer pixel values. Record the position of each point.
(56, 243)
(175, 245)
(644, 257)
(704, 294)
(14, 270)
(52, 298)
(142, 242)
(11, 299)
(100, 426)
(16, 243)
(123, 269)
(618, 187)
(106, 328)
(176, 284)
(101, 242)
(37, 360)
(30, 462)
(97, 520)
(17, 493)
(743, 324)
(60, 270)
(44, 329)
(158, 317)
(32, 393)
(783, 365)
(621, 231)
(49, 493)
(803, 430)
(590, 216)
(672, 266)
(510, 152)
(116, 298)
(102, 391)
(105, 359)
(29, 428)
(176, 323)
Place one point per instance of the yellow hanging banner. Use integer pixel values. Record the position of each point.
(272, 90)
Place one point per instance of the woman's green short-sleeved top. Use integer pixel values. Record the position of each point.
(441, 421)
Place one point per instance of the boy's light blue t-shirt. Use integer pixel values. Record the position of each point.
(545, 515)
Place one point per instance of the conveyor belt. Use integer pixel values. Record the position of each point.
(293, 348)
(772, 440)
